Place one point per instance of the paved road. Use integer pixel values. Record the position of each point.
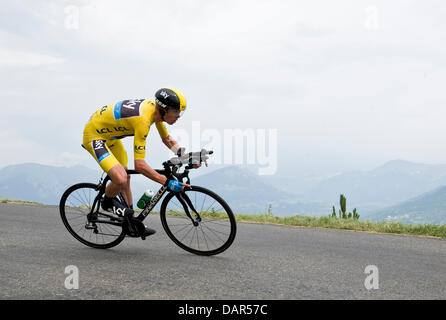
(265, 262)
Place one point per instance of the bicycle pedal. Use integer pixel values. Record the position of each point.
(91, 225)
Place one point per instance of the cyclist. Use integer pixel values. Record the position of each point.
(125, 118)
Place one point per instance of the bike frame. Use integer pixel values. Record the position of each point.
(167, 172)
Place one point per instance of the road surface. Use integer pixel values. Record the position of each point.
(265, 262)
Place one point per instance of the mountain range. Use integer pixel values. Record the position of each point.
(243, 190)
(396, 191)
(249, 193)
(384, 186)
(429, 207)
(41, 183)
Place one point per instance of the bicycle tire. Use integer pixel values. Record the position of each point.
(63, 213)
(230, 218)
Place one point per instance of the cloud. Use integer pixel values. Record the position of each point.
(312, 70)
(21, 59)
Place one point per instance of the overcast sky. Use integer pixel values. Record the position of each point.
(348, 85)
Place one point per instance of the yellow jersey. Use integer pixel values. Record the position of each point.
(123, 119)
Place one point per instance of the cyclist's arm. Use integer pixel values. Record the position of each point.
(171, 143)
(174, 146)
(168, 140)
(140, 153)
(142, 167)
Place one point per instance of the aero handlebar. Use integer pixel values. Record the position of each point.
(190, 158)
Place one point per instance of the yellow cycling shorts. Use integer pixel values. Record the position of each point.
(108, 153)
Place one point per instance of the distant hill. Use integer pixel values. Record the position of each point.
(41, 183)
(396, 189)
(389, 184)
(244, 191)
(46, 184)
(429, 207)
(248, 193)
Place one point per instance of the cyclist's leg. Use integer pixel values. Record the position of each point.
(108, 162)
(118, 182)
(117, 148)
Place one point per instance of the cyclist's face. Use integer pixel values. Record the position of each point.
(172, 116)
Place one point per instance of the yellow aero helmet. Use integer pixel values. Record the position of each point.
(170, 98)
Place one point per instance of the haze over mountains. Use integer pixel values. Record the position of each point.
(388, 184)
(41, 183)
(396, 191)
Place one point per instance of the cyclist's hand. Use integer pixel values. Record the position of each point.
(177, 186)
(197, 165)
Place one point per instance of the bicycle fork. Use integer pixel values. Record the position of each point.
(183, 198)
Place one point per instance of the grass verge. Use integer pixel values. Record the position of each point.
(2, 200)
(430, 230)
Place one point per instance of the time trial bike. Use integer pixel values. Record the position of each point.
(196, 219)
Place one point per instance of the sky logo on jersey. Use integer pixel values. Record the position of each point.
(100, 150)
(127, 108)
(105, 155)
(103, 109)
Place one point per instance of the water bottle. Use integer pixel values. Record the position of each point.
(145, 199)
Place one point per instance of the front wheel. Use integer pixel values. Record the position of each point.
(198, 220)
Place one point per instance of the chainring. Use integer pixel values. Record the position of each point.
(133, 227)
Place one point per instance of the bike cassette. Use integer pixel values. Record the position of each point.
(133, 228)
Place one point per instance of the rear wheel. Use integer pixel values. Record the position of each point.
(209, 232)
(93, 228)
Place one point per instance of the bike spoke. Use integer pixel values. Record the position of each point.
(204, 237)
(214, 232)
(192, 227)
(78, 217)
(210, 239)
(207, 210)
(204, 199)
(215, 222)
(79, 199)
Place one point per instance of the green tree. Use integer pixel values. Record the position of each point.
(343, 211)
(355, 214)
(343, 202)
(270, 211)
